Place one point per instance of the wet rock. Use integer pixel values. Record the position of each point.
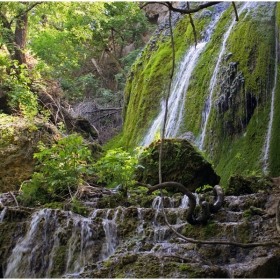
(133, 242)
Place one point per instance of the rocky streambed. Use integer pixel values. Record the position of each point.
(135, 242)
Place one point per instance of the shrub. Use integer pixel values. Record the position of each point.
(118, 167)
(61, 169)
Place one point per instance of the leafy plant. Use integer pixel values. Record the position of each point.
(61, 169)
(17, 82)
(118, 167)
(203, 189)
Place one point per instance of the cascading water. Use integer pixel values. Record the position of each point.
(34, 254)
(179, 87)
(111, 234)
(20, 262)
(208, 103)
(58, 243)
(2, 214)
(268, 135)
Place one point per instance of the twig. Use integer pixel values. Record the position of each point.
(192, 24)
(167, 98)
(70, 192)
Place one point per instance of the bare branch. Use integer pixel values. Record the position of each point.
(167, 97)
(26, 11)
(235, 11)
(192, 24)
(105, 116)
(182, 11)
(105, 109)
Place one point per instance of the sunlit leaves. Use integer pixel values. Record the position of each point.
(61, 169)
(117, 167)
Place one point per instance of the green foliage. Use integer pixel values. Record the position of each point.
(117, 167)
(16, 81)
(204, 189)
(67, 35)
(62, 168)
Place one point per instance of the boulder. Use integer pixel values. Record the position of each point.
(181, 162)
(239, 185)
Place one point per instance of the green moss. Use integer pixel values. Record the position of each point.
(185, 267)
(148, 81)
(210, 230)
(54, 205)
(247, 214)
(237, 133)
(59, 263)
(243, 233)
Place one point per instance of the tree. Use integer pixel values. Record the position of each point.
(14, 21)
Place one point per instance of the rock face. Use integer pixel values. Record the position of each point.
(181, 163)
(134, 242)
(18, 141)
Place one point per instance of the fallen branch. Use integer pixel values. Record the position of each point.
(104, 109)
(14, 198)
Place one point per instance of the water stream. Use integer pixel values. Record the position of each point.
(268, 135)
(208, 103)
(179, 87)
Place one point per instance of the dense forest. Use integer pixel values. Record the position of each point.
(139, 139)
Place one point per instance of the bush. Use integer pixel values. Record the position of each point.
(117, 167)
(62, 169)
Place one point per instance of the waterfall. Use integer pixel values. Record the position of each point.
(34, 253)
(178, 92)
(20, 262)
(208, 103)
(110, 228)
(79, 244)
(268, 135)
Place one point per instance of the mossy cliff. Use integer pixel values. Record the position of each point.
(241, 102)
(148, 79)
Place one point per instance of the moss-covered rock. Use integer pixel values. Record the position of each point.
(238, 184)
(181, 163)
(18, 142)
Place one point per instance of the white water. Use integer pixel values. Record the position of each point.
(111, 235)
(208, 103)
(21, 256)
(2, 214)
(179, 87)
(268, 135)
(80, 243)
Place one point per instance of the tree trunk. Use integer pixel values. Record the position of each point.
(20, 38)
